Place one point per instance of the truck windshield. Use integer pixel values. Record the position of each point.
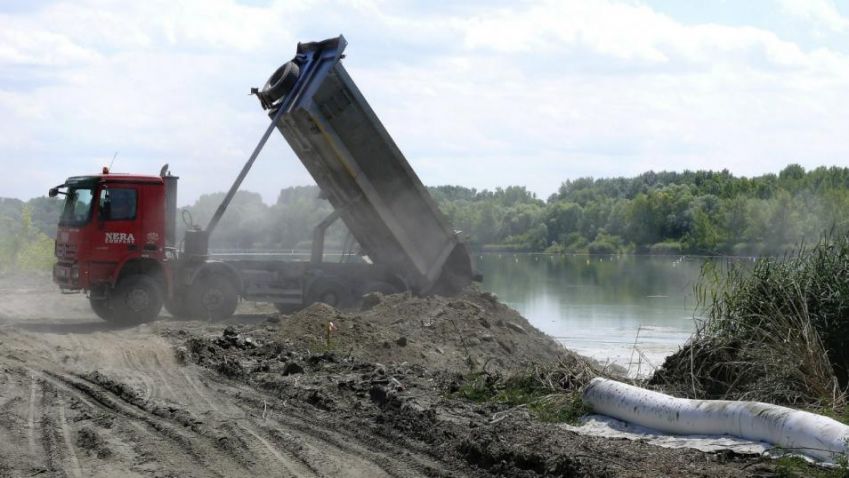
(77, 207)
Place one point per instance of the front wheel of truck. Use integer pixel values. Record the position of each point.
(137, 298)
(102, 308)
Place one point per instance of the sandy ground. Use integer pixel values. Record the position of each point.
(145, 414)
(79, 397)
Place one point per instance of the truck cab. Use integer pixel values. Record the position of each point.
(112, 233)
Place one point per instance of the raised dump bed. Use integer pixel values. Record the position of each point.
(361, 171)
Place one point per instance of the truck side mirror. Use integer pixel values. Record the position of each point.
(54, 191)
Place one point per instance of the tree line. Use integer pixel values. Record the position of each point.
(690, 212)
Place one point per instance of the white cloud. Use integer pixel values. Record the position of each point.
(531, 94)
(820, 13)
(23, 46)
(560, 89)
(630, 32)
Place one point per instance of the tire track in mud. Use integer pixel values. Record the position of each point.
(19, 454)
(199, 458)
(31, 416)
(293, 462)
(302, 468)
(330, 449)
(69, 445)
(235, 437)
(136, 442)
(50, 440)
(203, 396)
(348, 449)
(249, 457)
(163, 380)
(147, 365)
(310, 441)
(148, 385)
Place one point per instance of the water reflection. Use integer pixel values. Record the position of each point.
(601, 306)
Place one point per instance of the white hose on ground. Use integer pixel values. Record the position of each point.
(807, 433)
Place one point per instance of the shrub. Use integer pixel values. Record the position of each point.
(776, 330)
(605, 244)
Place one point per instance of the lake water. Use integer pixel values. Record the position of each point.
(628, 310)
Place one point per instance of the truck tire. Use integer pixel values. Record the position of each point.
(213, 297)
(288, 308)
(137, 298)
(281, 81)
(330, 292)
(384, 288)
(177, 307)
(102, 308)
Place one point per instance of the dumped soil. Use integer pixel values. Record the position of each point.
(416, 407)
(472, 331)
(266, 395)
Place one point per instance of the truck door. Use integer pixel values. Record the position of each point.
(118, 207)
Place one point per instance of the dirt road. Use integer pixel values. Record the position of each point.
(81, 398)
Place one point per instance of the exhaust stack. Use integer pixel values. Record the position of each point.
(170, 207)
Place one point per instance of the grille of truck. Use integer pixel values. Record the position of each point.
(66, 250)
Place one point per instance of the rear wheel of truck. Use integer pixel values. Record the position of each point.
(137, 298)
(384, 288)
(329, 291)
(213, 297)
(288, 308)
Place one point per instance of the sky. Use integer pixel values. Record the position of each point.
(477, 93)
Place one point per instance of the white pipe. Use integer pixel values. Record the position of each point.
(814, 435)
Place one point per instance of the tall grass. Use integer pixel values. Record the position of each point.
(776, 330)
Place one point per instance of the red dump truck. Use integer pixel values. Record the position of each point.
(116, 238)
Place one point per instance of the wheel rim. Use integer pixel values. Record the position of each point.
(329, 298)
(138, 300)
(212, 299)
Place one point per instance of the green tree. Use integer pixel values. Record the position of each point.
(31, 249)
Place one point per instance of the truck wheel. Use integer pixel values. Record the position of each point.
(137, 298)
(288, 308)
(177, 307)
(101, 308)
(330, 292)
(213, 297)
(384, 288)
(281, 81)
